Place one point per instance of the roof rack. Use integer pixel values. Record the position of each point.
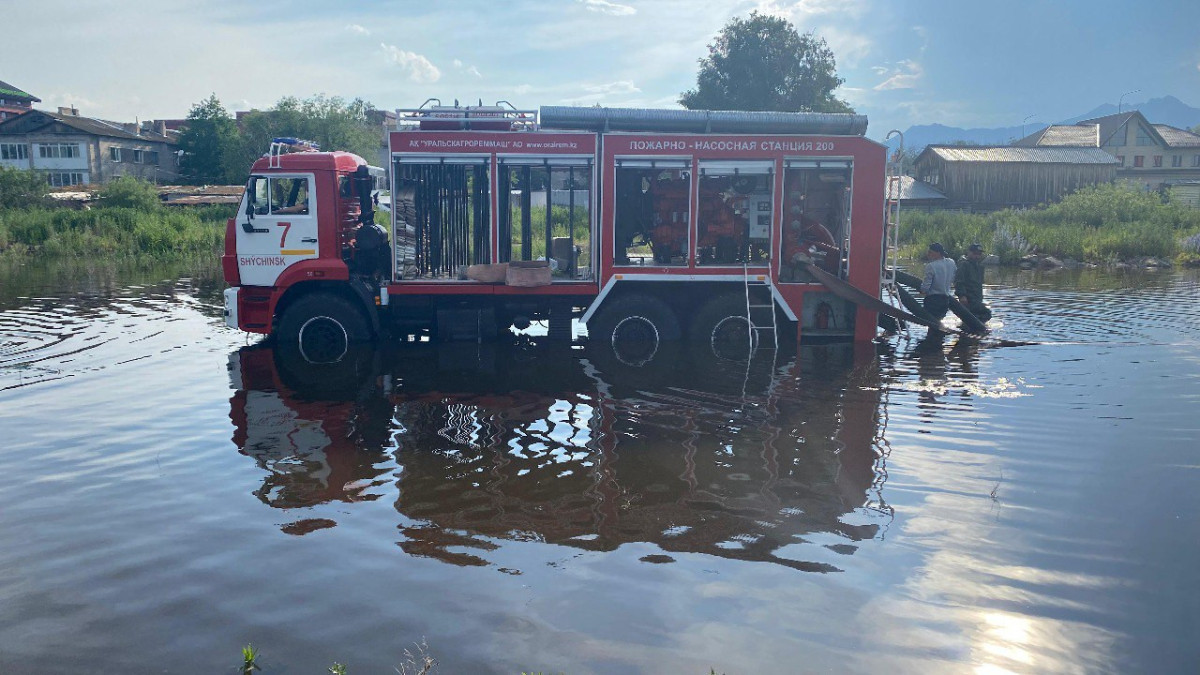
(285, 145)
(503, 116)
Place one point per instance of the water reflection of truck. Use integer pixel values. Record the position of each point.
(489, 445)
(667, 223)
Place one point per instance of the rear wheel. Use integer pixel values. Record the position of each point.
(322, 327)
(721, 323)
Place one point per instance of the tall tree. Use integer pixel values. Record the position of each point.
(333, 122)
(763, 63)
(208, 143)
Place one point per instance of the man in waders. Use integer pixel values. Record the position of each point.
(968, 283)
(939, 275)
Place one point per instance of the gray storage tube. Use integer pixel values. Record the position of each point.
(702, 121)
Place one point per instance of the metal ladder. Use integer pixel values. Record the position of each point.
(895, 177)
(757, 308)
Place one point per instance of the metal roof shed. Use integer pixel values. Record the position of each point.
(994, 177)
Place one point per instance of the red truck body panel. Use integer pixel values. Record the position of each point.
(681, 205)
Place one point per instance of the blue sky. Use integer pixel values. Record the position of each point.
(959, 63)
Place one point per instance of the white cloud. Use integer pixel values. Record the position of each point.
(800, 9)
(420, 69)
(470, 70)
(624, 91)
(86, 106)
(355, 28)
(904, 76)
(606, 7)
(838, 22)
(849, 47)
(612, 88)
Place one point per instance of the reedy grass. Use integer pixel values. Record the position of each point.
(1103, 224)
(112, 232)
(418, 661)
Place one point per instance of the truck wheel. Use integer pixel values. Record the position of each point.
(721, 323)
(322, 326)
(635, 325)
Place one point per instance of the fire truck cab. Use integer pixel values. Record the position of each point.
(645, 224)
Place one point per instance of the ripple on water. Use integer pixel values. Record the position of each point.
(967, 506)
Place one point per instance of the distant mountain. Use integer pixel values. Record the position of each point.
(1165, 110)
(928, 134)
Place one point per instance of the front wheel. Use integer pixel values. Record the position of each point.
(635, 326)
(322, 327)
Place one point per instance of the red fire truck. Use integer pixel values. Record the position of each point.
(644, 224)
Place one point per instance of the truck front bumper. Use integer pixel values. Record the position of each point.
(231, 307)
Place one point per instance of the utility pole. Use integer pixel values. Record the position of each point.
(1122, 99)
(1027, 118)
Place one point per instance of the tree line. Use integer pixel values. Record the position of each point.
(220, 149)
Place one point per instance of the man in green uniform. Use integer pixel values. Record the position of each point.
(968, 283)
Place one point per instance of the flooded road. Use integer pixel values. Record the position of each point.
(170, 492)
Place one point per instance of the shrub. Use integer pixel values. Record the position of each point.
(131, 193)
(22, 189)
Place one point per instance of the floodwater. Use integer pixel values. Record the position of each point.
(170, 492)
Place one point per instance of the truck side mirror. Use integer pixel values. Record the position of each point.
(250, 198)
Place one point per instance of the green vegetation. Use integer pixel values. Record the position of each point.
(418, 662)
(1104, 224)
(127, 192)
(219, 150)
(21, 189)
(210, 145)
(249, 658)
(763, 63)
(130, 221)
(112, 232)
(559, 227)
(334, 123)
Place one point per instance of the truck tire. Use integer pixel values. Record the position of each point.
(721, 324)
(635, 320)
(322, 326)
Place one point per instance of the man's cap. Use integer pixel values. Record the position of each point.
(935, 246)
(975, 248)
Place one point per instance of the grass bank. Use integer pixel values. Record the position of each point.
(114, 232)
(1104, 224)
